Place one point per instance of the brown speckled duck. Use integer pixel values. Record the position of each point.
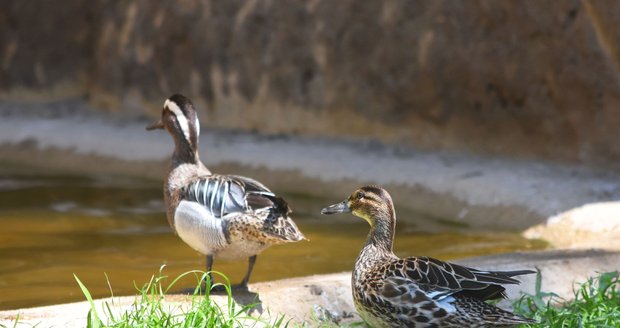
(225, 216)
(418, 291)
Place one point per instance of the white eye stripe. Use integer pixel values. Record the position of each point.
(174, 108)
(197, 128)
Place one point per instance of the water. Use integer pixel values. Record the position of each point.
(54, 226)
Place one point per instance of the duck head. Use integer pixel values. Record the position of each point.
(371, 203)
(179, 117)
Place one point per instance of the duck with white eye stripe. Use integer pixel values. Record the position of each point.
(224, 216)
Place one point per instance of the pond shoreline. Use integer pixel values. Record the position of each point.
(472, 190)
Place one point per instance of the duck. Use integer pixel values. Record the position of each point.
(218, 215)
(418, 291)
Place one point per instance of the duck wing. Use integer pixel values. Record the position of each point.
(438, 280)
(226, 194)
(258, 196)
(276, 221)
(223, 195)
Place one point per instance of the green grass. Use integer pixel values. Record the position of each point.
(150, 308)
(596, 304)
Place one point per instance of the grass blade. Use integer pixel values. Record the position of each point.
(93, 320)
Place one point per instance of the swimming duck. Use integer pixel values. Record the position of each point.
(224, 216)
(417, 291)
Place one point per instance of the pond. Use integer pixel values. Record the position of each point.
(112, 233)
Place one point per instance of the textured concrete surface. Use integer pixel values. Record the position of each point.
(533, 78)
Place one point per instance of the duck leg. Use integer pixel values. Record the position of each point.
(209, 267)
(219, 288)
(246, 279)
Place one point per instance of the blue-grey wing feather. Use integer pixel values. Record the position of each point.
(226, 194)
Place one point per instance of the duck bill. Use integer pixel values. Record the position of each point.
(336, 208)
(155, 125)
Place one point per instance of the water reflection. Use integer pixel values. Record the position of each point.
(56, 225)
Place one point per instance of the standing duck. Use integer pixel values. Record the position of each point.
(224, 216)
(418, 291)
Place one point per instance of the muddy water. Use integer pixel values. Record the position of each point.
(54, 226)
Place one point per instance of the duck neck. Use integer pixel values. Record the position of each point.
(184, 152)
(380, 240)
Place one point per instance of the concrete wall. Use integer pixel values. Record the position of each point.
(517, 78)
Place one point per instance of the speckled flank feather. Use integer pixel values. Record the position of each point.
(226, 216)
(418, 291)
(247, 206)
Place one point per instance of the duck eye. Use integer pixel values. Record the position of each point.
(361, 195)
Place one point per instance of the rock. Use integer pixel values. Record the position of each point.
(595, 225)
